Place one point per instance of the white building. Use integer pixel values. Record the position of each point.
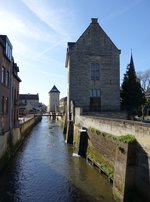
(54, 99)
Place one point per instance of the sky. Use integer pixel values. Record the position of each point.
(40, 29)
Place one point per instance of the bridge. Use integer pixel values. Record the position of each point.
(52, 114)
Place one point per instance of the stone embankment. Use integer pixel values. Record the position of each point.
(11, 140)
(118, 148)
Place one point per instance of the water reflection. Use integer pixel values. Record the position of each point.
(45, 169)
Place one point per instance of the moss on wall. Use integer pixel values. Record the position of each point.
(126, 138)
(102, 149)
(123, 138)
(100, 161)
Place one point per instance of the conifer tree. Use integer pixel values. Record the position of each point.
(132, 94)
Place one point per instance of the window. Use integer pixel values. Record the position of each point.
(8, 50)
(95, 71)
(7, 105)
(95, 93)
(2, 104)
(2, 75)
(7, 78)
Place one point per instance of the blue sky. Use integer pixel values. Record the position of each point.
(40, 29)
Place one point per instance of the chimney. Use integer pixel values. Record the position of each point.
(94, 20)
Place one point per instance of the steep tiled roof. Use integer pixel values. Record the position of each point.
(28, 97)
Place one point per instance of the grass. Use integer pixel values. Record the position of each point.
(123, 138)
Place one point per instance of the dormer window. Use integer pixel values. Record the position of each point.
(8, 47)
(8, 50)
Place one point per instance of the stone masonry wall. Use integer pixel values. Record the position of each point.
(116, 127)
(103, 144)
(109, 156)
(137, 163)
(94, 46)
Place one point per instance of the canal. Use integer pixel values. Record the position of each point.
(46, 170)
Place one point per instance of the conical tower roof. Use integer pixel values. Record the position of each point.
(131, 62)
(54, 90)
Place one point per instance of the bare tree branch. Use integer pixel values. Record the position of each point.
(144, 79)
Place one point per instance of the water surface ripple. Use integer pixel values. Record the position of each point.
(45, 170)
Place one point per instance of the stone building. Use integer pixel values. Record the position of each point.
(93, 64)
(28, 103)
(54, 100)
(63, 105)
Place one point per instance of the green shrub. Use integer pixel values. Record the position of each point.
(127, 138)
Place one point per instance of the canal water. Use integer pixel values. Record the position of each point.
(46, 170)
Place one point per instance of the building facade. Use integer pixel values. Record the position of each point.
(9, 86)
(28, 103)
(63, 105)
(15, 94)
(54, 100)
(93, 64)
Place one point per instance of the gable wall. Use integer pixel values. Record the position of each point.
(94, 46)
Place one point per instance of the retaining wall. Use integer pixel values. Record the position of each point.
(11, 140)
(130, 162)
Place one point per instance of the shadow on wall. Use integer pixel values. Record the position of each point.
(142, 178)
(137, 180)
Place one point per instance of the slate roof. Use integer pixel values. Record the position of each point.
(28, 96)
(54, 90)
(131, 62)
(4, 39)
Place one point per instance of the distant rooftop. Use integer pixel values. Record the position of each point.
(63, 99)
(28, 96)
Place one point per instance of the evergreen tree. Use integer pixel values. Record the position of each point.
(132, 94)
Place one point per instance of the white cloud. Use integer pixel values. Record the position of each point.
(55, 17)
(18, 28)
(23, 33)
(48, 49)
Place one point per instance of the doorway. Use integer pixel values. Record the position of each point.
(95, 104)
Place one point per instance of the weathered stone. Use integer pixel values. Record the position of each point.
(93, 46)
